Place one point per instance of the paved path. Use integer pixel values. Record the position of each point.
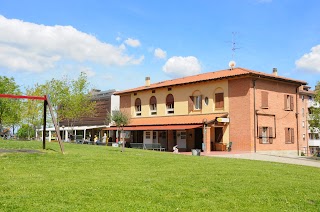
(305, 161)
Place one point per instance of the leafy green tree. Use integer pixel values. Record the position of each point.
(10, 112)
(70, 99)
(26, 132)
(120, 118)
(315, 111)
(33, 109)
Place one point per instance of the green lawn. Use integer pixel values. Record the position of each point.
(100, 178)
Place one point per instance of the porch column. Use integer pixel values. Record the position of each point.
(49, 135)
(206, 139)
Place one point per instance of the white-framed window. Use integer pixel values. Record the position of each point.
(197, 102)
(170, 104)
(153, 105)
(138, 107)
(302, 111)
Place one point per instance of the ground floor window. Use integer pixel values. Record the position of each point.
(265, 135)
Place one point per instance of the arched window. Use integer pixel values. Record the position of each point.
(195, 101)
(138, 106)
(153, 105)
(170, 104)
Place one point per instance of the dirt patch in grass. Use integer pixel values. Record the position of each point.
(30, 151)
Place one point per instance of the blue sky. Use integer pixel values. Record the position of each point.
(119, 43)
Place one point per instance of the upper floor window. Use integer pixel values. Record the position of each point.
(138, 106)
(264, 99)
(288, 102)
(219, 101)
(170, 104)
(153, 105)
(195, 101)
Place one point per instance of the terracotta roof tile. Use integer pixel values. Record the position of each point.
(172, 120)
(210, 76)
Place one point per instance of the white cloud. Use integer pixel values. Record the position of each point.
(310, 61)
(159, 53)
(178, 66)
(132, 42)
(88, 71)
(118, 38)
(35, 48)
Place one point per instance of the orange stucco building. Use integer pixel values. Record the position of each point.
(253, 110)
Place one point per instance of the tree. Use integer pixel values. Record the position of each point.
(26, 132)
(10, 112)
(315, 111)
(120, 118)
(33, 109)
(70, 99)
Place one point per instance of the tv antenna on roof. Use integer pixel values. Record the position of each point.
(232, 63)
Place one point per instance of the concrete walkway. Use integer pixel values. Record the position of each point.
(305, 161)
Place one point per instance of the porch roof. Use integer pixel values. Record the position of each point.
(170, 122)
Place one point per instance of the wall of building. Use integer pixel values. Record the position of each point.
(241, 114)
(181, 98)
(276, 110)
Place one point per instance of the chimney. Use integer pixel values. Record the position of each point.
(147, 81)
(275, 71)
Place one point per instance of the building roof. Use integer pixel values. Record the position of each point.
(217, 75)
(175, 120)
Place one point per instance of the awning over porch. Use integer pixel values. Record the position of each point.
(158, 127)
(170, 122)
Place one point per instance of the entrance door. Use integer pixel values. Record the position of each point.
(181, 139)
(147, 137)
(155, 137)
(218, 133)
(198, 138)
(163, 139)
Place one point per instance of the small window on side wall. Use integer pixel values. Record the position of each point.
(289, 135)
(288, 102)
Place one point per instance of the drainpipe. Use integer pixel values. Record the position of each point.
(297, 121)
(254, 118)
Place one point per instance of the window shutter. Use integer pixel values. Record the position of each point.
(264, 99)
(219, 100)
(291, 103)
(260, 135)
(285, 102)
(270, 135)
(138, 102)
(190, 103)
(169, 99)
(292, 135)
(201, 102)
(153, 100)
(287, 135)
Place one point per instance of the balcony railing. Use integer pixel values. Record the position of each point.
(312, 103)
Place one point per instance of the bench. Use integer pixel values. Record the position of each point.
(136, 145)
(154, 146)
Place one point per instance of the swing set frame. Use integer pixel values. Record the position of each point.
(46, 103)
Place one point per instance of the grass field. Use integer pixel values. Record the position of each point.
(100, 178)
